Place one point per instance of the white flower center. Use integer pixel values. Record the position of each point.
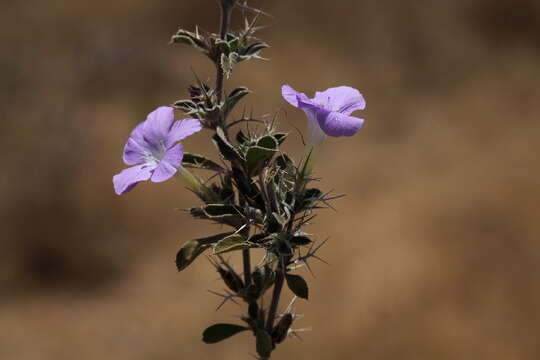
(154, 156)
(325, 104)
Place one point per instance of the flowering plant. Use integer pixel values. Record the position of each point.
(258, 191)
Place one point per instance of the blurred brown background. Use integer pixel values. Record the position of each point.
(434, 253)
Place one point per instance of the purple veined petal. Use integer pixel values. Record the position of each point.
(134, 153)
(308, 104)
(182, 129)
(128, 178)
(343, 99)
(157, 125)
(292, 96)
(169, 164)
(137, 133)
(136, 147)
(337, 124)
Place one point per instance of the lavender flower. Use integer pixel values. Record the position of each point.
(329, 111)
(154, 150)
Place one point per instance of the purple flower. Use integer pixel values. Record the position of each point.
(329, 112)
(153, 150)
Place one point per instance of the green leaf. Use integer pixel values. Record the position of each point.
(226, 149)
(280, 219)
(268, 142)
(264, 343)
(193, 248)
(189, 38)
(241, 137)
(299, 240)
(280, 331)
(219, 332)
(257, 157)
(231, 243)
(280, 137)
(263, 278)
(228, 62)
(284, 162)
(234, 97)
(217, 210)
(310, 198)
(200, 162)
(253, 49)
(297, 285)
(187, 106)
(220, 213)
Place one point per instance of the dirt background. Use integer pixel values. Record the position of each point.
(434, 253)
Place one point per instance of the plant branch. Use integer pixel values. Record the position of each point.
(278, 286)
(247, 266)
(226, 11)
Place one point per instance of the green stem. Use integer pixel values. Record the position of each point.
(278, 286)
(246, 257)
(226, 11)
(310, 156)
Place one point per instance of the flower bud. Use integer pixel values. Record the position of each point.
(282, 328)
(231, 279)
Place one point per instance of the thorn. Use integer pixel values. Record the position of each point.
(294, 332)
(311, 254)
(225, 263)
(321, 260)
(288, 310)
(309, 268)
(320, 245)
(244, 6)
(226, 298)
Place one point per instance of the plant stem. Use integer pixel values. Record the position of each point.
(278, 286)
(247, 266)
(226, 11)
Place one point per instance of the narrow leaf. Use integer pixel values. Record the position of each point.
(231, 243)
(220, 213)
(299, 240)
(254, 48)
(219, 332)
(200, 162)
(187, 106)
(193, 39)
(193, 248)
(234, 97)
(226, 149)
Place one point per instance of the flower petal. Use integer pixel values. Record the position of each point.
(343, 99)
(292, 96)
(314, 132)
(128, 178)
(136, 147)
(157, 125)
(182, 129)
(338, 124)
(169, 164)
